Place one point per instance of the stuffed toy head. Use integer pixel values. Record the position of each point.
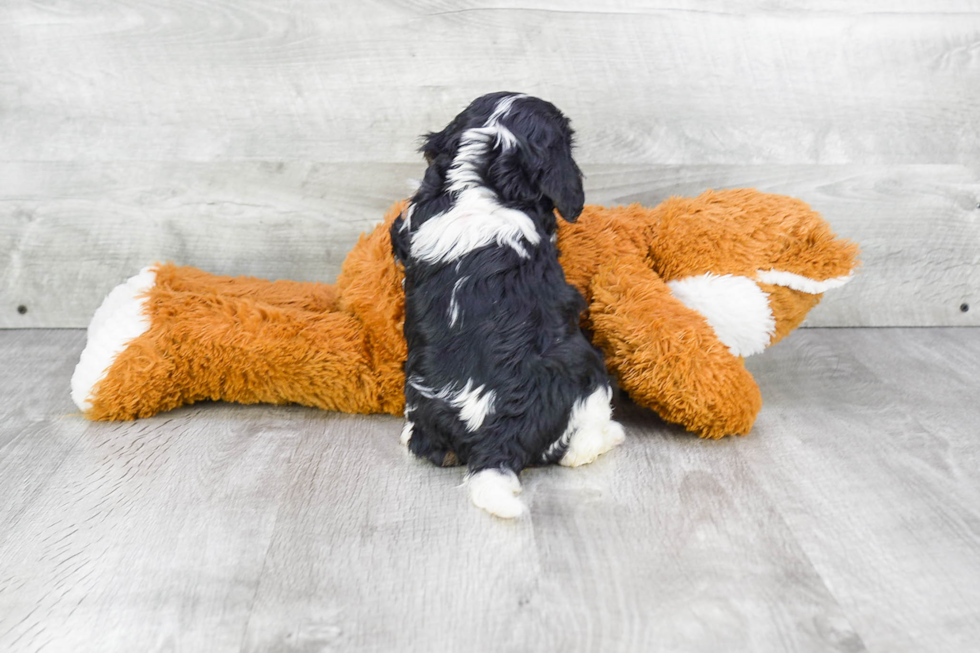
(677, 296)
(681, 293)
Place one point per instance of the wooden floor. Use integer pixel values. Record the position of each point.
(848, 521)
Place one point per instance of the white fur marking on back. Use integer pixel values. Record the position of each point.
(119, 320)
(464, 173)
(495, 491)
(472, 403)
(476, 219)
(800, 283)
(735, 307)
(453, 304)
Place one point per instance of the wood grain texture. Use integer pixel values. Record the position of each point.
(918, 227)
(69, 232)
(692, 558)
(847, 521)
(166, 522)
(259, 138)
(898, 500)
(659, 82)
(74, 231)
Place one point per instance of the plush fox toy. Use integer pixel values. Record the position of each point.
(677, 296)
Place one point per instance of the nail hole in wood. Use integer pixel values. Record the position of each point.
(21, 309)
(964, 308)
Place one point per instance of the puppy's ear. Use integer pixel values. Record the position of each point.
(445, 142)
(561, 180)
(434, 144)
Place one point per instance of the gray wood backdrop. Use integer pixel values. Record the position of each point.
(250, 137)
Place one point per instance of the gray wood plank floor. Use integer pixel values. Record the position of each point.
(849, 520)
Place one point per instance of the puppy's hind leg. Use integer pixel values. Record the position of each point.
(591, 430)
(495, 490)
(419, 442)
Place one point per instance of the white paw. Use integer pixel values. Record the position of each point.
(119, 320)
(496, 490)
(586, 446)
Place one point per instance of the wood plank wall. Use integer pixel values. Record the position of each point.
(251, 137)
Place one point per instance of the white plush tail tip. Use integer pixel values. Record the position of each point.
(496, 490)
(119, 320)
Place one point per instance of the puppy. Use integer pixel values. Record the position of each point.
(499, 376)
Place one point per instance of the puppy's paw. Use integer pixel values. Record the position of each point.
(586, 446)
(614, 435)
(496, 490)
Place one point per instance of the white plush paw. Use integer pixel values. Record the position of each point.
(119, 320)
(587, 445)
(496, 490)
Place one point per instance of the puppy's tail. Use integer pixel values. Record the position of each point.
(496, 490)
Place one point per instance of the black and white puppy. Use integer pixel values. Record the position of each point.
(499, 376)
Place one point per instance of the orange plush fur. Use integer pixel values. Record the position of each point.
(340, 347)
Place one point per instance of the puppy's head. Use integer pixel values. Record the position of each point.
(517, 145)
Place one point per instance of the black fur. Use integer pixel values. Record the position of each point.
(518, 327)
